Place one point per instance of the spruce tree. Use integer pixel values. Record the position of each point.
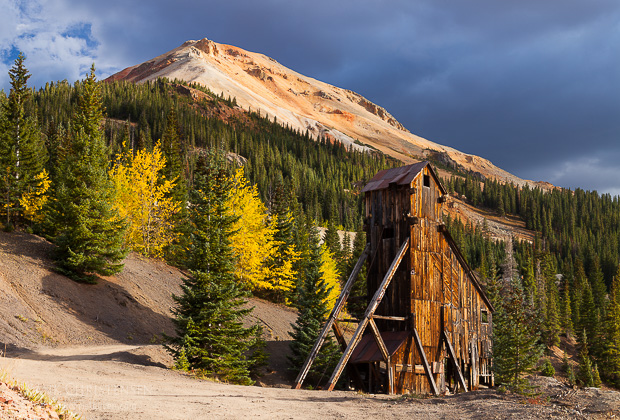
(209, 312)
(566, 321)
(552, 324)
(515, 344)
(174, 152)
(81, 219)
(589, 321)
(22, 150)
(585, 376)
(357, 303)
(611, 351)
(332, 240)
(313, 313)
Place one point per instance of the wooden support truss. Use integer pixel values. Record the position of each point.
(372, 307)
(344, 294)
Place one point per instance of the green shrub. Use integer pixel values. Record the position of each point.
(547, 369)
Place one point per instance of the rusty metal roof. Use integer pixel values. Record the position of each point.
(400, 176)
(368, 351)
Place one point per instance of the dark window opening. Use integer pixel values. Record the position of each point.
(388, 233)
(427, 181)
(484, 315)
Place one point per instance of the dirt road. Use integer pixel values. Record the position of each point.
(128, 382)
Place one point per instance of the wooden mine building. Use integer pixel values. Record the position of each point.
(428, 324)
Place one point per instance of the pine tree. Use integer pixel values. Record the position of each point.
(313, 312)
(596, 377)
(81, 219)
(589, 322)
(552, 322)
(209, 313)
(566, 321)
(599, 290)
(22, 150)
(515, 348)
(332, 240)
(611, 351)
(173, 149)
(357, 301)
(584, 376)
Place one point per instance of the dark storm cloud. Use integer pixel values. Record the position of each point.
(532, 85)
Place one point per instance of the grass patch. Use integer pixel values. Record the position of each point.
(38, 397)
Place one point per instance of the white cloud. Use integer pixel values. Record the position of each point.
(54, 37)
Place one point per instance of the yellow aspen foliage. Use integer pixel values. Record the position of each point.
(252, 240)
(142, 198)
(330, 275)
(32, 201)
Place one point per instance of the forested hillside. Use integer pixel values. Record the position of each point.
(101, 169)
(324, 176)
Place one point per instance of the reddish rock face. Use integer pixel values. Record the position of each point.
(261, 83)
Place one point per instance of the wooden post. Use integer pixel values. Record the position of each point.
(372, 307)
(427, 368)
(455, 362)
(339, 336)
(344, 294)
(384, 353)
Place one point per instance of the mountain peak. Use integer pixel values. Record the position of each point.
(260, 83)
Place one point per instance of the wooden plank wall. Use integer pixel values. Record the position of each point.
(431, 284)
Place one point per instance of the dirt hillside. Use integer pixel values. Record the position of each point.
(39, 307)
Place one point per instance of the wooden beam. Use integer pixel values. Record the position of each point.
(380, 343)
(372, 307)
(427, 368)
(384, 352)
(390, 318)
(344, 294)
(455, 362)
(339, 336)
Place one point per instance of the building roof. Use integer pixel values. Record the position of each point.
(399, 176)
(368, 351)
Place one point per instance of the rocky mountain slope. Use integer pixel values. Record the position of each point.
(260, 83)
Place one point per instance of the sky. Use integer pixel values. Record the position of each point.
(533, 86)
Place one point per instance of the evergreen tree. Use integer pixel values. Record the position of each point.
(209, 313)
(332, 240)
(552, 322)
(515, 348)
(22, 150)
(589, 322)
(566, 322)
(599, 290)
(173, 149)
(357, 302)
(611, 352)
(596, 377)
(81, 218)
(313, 313)
(584, 376)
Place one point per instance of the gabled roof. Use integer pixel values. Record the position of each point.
(400, 176)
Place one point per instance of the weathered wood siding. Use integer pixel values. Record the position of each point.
(433, 287)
